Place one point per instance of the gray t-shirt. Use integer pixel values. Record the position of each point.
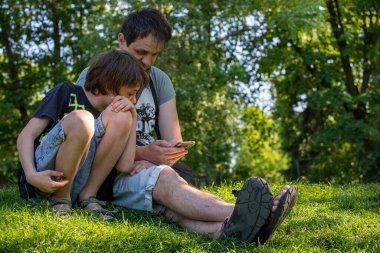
(145, 107)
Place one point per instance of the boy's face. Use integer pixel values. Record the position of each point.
(129, 92)
(145, 50)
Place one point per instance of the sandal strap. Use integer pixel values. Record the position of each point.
(84, 203)
(54, 202)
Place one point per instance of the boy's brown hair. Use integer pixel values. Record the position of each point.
(112, 70)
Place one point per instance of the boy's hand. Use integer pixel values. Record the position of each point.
(44, 182)
(123, 104)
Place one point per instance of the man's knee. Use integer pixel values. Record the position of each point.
(168, 176)
(168, 181)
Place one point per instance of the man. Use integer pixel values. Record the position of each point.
(154, 186)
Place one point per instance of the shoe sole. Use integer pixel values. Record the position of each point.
(285, 206)
(253, 206)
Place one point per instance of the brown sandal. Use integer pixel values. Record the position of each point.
(286, 204)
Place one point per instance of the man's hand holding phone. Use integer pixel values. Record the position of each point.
(185, 144)
(161, 152)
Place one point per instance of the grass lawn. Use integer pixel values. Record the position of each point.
(326, 218)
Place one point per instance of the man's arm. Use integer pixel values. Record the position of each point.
(168, 121)
(82, 77)
(162, 151)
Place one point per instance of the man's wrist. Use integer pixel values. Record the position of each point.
(139, 152)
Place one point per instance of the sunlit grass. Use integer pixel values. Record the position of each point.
(326, 218)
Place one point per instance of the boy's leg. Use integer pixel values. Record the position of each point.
(64, 149)
(117, 127)
(78, 127)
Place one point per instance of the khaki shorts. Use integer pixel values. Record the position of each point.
(135, 191)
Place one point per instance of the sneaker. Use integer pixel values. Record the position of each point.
(253, 206)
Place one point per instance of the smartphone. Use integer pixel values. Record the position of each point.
(185, 144)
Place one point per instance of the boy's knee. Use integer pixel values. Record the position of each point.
(121, 120)
(79, 123)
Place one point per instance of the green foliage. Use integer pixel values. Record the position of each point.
(326, 218)
(320, 59)
(259, 152)
(206, 76)
(38, 49)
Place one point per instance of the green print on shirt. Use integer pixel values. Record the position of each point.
(74, 102)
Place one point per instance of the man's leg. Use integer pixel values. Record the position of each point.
(135, 192)
(205, 213)
(172, 192)
(213, 229)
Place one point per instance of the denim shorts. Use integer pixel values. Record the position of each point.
(46, 153)
(135, 191)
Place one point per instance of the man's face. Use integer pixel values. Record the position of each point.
(146, 49)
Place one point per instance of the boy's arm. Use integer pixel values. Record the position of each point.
(25, 147)
(162, 151)
(125, 163)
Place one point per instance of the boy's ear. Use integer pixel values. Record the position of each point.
(121, 40)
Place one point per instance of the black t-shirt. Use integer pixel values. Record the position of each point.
(61, 100)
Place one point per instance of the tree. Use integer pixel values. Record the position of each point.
(260, 151)
(39, 47)
(322, 58)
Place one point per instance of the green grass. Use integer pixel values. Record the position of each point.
(326, 218)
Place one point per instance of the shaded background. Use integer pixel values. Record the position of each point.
(279, 89)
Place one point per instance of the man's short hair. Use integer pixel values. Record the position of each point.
(142, 23)
(112, 70)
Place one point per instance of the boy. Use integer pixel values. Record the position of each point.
(88, 130)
